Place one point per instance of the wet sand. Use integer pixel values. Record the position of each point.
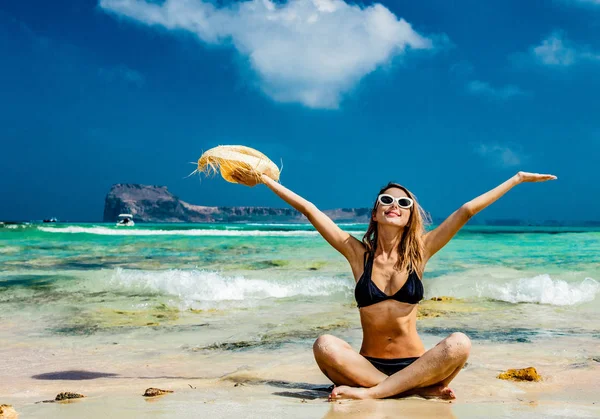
(285, 382)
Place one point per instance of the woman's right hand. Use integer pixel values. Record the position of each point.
(265, 179)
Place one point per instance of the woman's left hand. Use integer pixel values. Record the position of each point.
(533, 177)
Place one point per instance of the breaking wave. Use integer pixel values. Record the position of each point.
(196, 286)
(540, 289)
(124, 231)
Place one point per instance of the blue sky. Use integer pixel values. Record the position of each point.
(448, 98)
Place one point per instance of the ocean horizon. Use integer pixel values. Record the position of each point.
(475, 222)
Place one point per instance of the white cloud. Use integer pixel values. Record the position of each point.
(124, 73)
(558, 51)
(480, 88)
(307, 51)
(500, 155)
(555, 51)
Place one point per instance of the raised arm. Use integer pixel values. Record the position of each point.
(440, 236)
(347, 245)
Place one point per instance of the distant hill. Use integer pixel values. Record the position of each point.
(157, 205)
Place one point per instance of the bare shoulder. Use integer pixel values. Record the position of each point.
(426, 238)
(356, 250)
(426, 256)
(356, 256)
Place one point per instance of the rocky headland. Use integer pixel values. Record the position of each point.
(155, 204)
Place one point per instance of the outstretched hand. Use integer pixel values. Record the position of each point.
(534, 177)
(266, 179)
(248, 177)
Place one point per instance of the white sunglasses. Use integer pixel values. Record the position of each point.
(403, 201)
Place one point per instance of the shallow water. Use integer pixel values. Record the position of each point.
(546, 279)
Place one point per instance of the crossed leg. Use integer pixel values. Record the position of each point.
(428, 376)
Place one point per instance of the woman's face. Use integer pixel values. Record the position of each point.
(392, 215)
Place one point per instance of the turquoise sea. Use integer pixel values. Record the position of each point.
(70, 272)
(205, 301)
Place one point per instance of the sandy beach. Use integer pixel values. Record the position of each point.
(285, 384)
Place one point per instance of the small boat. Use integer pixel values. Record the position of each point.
(51, 220)
(125, 220)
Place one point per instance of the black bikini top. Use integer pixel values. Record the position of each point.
(367, 293)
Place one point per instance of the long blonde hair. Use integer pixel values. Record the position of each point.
(411, 248)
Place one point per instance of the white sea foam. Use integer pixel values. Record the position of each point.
(123, 231)
(10, 249)
(300, 224)
(541, 289)
(212, 287)
(14, 226)
(278, 224)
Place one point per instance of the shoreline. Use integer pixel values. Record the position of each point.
(285, 382)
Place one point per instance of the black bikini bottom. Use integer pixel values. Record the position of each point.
(390, 366)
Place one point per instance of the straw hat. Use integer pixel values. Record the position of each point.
(238, 164)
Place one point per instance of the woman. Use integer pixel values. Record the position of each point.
(388, 266)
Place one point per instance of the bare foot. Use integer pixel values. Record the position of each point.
(439, 392)
(345, 392)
